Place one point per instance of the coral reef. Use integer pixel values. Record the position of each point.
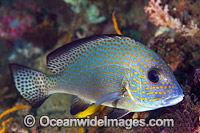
(15, 108)
(29, 30)
(160, 17)
(15, 22)
(185, 116)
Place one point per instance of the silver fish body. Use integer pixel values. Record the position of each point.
(111, 70)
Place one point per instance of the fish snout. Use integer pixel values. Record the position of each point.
(172, 100)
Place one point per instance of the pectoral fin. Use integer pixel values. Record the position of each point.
(119, 113)
(115, 96)
(78, 105)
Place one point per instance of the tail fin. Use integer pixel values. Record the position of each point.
(30, 83)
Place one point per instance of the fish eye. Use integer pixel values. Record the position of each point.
(154, 76)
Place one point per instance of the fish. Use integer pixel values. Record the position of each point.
(107, 69)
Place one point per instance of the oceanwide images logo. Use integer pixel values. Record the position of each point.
(45, 121)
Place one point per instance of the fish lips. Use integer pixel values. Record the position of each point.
(172, 100)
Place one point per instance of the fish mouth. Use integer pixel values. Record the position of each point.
(172, 100)
(169, 101)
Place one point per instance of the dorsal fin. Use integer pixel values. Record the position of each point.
(59, 59)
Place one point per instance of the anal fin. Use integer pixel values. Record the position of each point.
(78, 105)
(89, 111)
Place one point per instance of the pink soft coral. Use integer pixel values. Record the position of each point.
(160, 17)
(14, 22)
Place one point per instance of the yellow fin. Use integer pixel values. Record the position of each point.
(89, 111)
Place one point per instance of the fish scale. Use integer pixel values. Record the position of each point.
(100, 80)
(97, 66)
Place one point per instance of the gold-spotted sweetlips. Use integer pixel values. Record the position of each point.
(110, 70)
